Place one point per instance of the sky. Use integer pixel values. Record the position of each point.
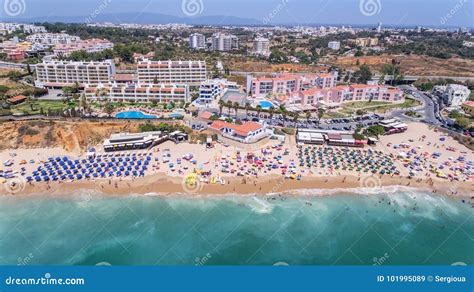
(447, 13)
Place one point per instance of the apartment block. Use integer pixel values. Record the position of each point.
(261, 46)
(57, 74)
(288, 83)
(197, 41)
(455, 95)
(224, 42)
(334, 45)
(191, 73)
(213, 90)
(89, 46)
(52, 38)
(8, 28)
(335, 96)
(137, 92)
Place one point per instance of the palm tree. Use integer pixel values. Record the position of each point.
(259, 110)
(221, 106)
(247, 108)
(321, 113)
(308, 116)
(296, 117)
(236, 108)
(229, 105)
(83, 105)
(101, 93)
(271, 112)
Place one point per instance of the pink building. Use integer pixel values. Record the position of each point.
(288, 83)
(337, 95)
(90, 46)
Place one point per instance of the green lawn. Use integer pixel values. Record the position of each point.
(377, 106)
(34, 107)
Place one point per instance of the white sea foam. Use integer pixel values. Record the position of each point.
(260, 206)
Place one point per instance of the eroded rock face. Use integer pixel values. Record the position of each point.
(72, 136)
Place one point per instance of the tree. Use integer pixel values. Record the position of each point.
(271, 111)
(108, 108)
(247, 108)
(236, 108)
(382, 79)
(221, 106)
(67, 91)
(308, 116)
(229, 105)
(375, 131)
(259, 110)
(363, 75)
(296, 117)
(463, 122)
(83, 105)
(277, 57)
(393, 70)
(321, 113)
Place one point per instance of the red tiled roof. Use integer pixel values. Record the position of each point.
(17, 98)
(242, 130)
(205, 115)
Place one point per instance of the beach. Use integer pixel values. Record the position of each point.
(425, 159)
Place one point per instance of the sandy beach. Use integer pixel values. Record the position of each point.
(425, 159)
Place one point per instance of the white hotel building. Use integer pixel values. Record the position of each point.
(197, 41)
(52, 38)
(57, 74)
(191, 73)
(136, 92)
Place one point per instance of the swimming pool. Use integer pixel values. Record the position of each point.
(265, 104)
(134, 115)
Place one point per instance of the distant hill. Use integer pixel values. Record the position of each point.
(143, 18)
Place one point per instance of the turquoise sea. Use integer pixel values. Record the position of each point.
(401, 228)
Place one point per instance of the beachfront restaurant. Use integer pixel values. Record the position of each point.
(310, 138)
(338, 139)
(334, 138)
(127, 141)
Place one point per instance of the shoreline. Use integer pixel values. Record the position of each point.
(167, 186)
